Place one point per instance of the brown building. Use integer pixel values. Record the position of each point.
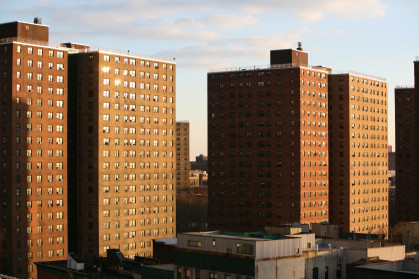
(268, 144)
(358, 153)
(125, 151)
(34, 149)
(182, 154)
(407, 156)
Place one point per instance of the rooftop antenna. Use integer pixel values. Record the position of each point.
(299, 46)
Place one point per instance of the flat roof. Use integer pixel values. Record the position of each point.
(258, 235)
(19, 21)
(127, 53)
(411, 267)
(362, 75)
(168, 241)
(169, 267)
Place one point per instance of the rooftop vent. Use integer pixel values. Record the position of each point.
(300, 46)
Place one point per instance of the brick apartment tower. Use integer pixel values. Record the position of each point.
(268, 144)
(183, 166)
(407, 151)
(125, 121)
(34, 149)
(358, 153)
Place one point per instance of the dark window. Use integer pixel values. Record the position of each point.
(316, 273)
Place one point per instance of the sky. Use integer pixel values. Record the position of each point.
(375, 37)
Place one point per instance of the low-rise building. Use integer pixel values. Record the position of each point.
(114, 265)
(221, 254)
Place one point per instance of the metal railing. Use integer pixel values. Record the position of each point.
(359, 74)
(28, 41)
(264, 67)
(87, 49)
(126, 53)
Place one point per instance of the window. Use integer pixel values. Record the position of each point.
(315, 273)
(244, 248)
(194, 243)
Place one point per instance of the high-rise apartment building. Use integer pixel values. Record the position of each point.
(183, 166)
(126, 162)
(358, 153)
(33, 174)
(268, 144)
(407, 196)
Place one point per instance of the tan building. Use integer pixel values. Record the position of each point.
(34, 149)
(268, 144)
(125, 151)
(358, 153)
(183, 165)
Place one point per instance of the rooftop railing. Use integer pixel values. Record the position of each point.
(263, 67)
(359, 74)
(87, 49)
(126, 53)
(32, 42)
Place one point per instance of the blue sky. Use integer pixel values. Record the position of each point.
(376, 37)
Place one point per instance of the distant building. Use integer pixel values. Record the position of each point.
(268, 144)
(407, 155)
(33, 177)
(198, 178)
(391, 159)
(251, 255)
(182, 154)
(200, 163)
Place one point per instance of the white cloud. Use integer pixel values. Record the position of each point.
(231, 52)
(310, 16)
(225, 20)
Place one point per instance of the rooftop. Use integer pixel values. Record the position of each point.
(167, 241)
(404, 87)
(123, 53)
(31, 42)
(353, 73)
(411, 267)
(89, 49)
